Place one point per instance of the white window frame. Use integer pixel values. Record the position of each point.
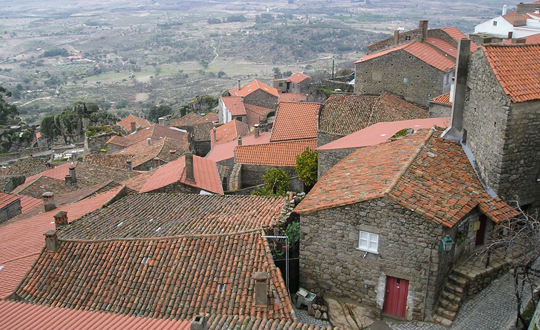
(368, 239)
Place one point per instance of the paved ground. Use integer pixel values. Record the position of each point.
(304, 318)
(493, 308)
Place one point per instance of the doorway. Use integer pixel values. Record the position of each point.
(395, 299)
(481, 233)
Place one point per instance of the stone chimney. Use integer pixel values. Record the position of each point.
(261, 289)
(161, 121)
(69, 182)
(74, 157)
(198, 323)
(396, 37)
(133, 127)
(239, 86)
(51, 240)
(149, 140)
(156, 162)
(48, 201)
(72, 173)
(129, 165)
(214, 134)
(275, 76)
(256, 126)
(455, 131)
(60, 219)
(423, 26)
(240, 141)
(190, 175)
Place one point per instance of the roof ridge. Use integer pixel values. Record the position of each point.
(140, 239)
(407, 165)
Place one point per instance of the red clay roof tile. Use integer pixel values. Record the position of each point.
(273, 154)
(532, 39)
(292, 97)
(139, 122)
(295, 120)
(235, 105)
(456, 34)
(7, 199)
(253, 86)
(442, 99)
(154, 132)
(255, 114)
(226, 150)
(228, 132)
(298, 77)
(143, 152)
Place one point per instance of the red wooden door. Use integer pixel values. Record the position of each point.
(395, 300)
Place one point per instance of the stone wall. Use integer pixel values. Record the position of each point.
(261, 99)
(329, 158)
(441, 34)
(404, 37)
(251, 175)
(330, 261)
(503, 136)
(323, 138)
(344, 86)
(437, 110)
(402, 74)
(10, 211)
(94, 143)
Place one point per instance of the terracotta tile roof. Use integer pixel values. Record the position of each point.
(41, 184)
(28, 203)
(255, 114)
(253, 86)
(298, 77)
(165, 215)
(176, 277)
(117, 160)
(273, 154)
(229, 131)
(155, 132)
(7, 199)
(142, 152)
(442, 46)
(516, 19)
(532, 39)
(421, 51)
(59, 172)
(205, 172)
(517, 68)
(23, 239)
(193, 118)
(226, 150)
(421, 172)
(20, 316)
(135, 183)
(27, 167)
(343, 114)
(139, 122)
(442, 99)
(235, 105)
(295, 120)
(208, 118)
(292, 97)
(381, 132)
(456, 34)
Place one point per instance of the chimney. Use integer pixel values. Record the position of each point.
(156, 162)
(510, 34)
(452, 89)
(68, 180)
(537, 11)
(48, 201)
(51, 240)
(189, 167)
(239, 87)
(242, 99)
(214, 134)
(161, 121)
(133, 126)
(261, 289)
(60, 219)
(198, 323)
(455, 131)
(275, 76)
(72, 174)
(256, 130)
(74, 157)
(396, 37)
(149, 140)
(504, 10)
(518, 41)
(240, 141)
(423, 29)
(129, 165)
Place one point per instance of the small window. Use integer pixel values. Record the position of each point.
(368, 242)
(407, 37)
(280, 84)
(494, 23)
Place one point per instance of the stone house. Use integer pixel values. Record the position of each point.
(257, 93)
(154, 132)
(188, 174)
(150, 154)
(496, 115)
(343, 114)
(415, 65)
(228, 132)
(133, 123)
(10, 206)
(297, 83)
(440, 106)
(232, 108)
(332, 153)
(198, 128)
(371, 228)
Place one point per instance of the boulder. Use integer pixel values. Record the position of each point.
(347, 315)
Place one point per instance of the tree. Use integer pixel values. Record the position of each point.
(519, 237)
(156, 112)
(307, 166)
(6, 110)
(278, 72)
(276, 183)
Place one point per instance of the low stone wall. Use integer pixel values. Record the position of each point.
(22, 153)
(480, 281)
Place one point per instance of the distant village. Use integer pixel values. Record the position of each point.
(393, 198)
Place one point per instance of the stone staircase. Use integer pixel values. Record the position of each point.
(464, 281)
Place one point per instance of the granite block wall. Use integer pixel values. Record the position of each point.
(261, 99)
(329, 158)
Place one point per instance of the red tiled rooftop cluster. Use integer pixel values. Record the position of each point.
(139, 122)
(273, 154)
(295, 120)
